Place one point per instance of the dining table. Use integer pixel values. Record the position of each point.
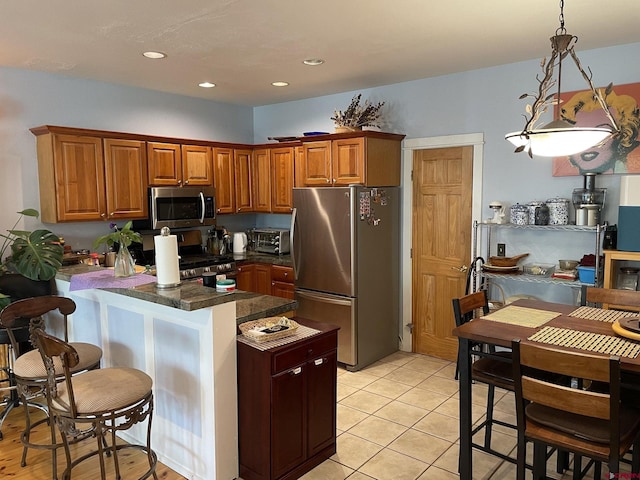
(563, 326)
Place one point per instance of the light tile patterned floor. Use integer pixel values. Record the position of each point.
(398, 420)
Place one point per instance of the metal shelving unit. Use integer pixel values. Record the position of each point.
(479, 227)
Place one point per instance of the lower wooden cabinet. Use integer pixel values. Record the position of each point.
(287, 405)
(282, 282)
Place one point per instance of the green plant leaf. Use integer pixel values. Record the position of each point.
(30, 212)
(36, 255)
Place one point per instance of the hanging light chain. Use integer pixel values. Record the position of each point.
(561, 17)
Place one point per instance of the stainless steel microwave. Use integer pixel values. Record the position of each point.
(177, 207)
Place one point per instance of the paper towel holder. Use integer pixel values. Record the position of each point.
(165, 232)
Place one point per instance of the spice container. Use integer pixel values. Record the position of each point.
(519, 214)
(541, 215)
(627, 278)
(558, 211)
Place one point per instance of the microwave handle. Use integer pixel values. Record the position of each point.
(202, 200)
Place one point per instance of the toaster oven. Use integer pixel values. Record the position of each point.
(269, 240)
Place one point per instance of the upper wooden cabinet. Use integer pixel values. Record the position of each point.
(223, 175)
(262, 180)
(87, 178)
(173, 164)
(370, 158)
(282, 164)
(242, 165)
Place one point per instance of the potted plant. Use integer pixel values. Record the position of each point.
(124, 265)
(28, 261)
(357, 116)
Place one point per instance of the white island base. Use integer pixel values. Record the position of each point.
(191, 357)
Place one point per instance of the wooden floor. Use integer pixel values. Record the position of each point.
(132, 464)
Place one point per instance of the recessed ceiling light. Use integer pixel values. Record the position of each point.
(280, 84)
(154, 55)
(313, 61)
(207, 85)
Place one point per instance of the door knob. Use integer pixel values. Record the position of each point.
(462, 268)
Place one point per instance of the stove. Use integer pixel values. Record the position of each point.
(193, 266)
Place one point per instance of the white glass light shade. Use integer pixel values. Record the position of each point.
(558, 139)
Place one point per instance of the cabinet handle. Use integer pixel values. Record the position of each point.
(179, 182)
(328, 181)
(103, 215)
(318, 361)
(334, 181)
(186, 182)
(296, 371)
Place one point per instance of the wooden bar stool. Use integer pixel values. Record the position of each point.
(28, 370)
(105, 401)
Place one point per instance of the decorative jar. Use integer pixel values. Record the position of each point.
(558, 211)
(519, 214)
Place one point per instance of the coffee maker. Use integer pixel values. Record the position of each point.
(588, 201)
(218, 241)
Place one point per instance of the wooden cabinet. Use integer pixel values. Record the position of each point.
(246, 278)
(83, 178)
(282, 179)
(613, 260)
(263, 278)
(282, 284)
(287, 405)
(370, 158)
(262, 180)
(174, 165)
(223, 176)
(243, 189)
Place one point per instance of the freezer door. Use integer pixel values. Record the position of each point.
(323, 239)
(336, 310)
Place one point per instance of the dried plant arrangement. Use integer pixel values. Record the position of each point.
(357, 116)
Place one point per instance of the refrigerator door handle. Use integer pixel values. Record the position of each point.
(325, 298)
(292, 242)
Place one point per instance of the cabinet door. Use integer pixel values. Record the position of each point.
(223, 180)
(126, 179)
(246, 278)
(263, 278)
(79, 172)
(316, 164)
(165, 164)
(321, 402)
(242, 180)
(283, 290)
(282, 180)
(282, 282)
(288, 420)
(347, 157)
(298, 168)
(197, 165)
(262, 180)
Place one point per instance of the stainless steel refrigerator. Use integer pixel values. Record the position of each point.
(346, 256)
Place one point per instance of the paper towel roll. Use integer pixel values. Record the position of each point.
(167, 268)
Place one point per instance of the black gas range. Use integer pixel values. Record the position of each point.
(194, 265)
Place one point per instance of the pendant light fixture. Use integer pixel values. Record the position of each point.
(560, 138)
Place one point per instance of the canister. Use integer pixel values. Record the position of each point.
(542, 215)
(558, 211)
(532, 210)
(627, 278)
(519, 214)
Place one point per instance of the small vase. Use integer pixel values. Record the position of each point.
(124, 265)
(343, 129)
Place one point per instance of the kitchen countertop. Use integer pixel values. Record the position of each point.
(192, 295)
(256, 257)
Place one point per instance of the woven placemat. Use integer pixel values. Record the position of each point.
(592, 342)
(303, 332)
(601, 314)
(523, 316)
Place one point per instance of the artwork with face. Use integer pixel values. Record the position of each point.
(617, 154)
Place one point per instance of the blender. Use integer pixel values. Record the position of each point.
(588, 201)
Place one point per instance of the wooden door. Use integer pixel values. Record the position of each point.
(282, 180)
(242, 180)
(316, 164)
(442, 194)
(165, 164)
(79, 174)
(321, 402)
(347, 161)
(126, 179)
(223, 179)
(262, 180)
(197, 165)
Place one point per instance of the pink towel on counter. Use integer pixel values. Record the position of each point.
(105, 279)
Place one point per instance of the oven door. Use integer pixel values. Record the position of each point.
(177, 207)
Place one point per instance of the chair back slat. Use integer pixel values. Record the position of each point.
(464, 307)
(581, 402)
(562, 362)
(611, 296)
(35, 307)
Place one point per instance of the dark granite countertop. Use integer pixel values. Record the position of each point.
(255, 257)
(192, 295)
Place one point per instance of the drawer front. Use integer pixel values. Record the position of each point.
(299, 353)
(281, 274)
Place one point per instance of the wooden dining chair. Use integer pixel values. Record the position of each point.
(494, 371)
(586, 423)
(610, 298)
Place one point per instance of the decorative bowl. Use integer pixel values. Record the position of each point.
(568, 264)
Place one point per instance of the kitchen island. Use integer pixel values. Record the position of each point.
(185, 339)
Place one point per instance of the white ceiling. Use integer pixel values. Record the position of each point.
(244, 45)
